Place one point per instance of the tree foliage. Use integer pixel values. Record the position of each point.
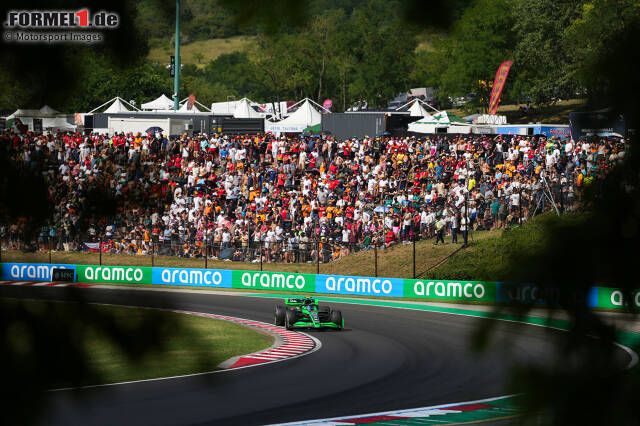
(343, 50)
(479, 42)
(364, 53)
(590, 38)
(556, 47)
(543, 67)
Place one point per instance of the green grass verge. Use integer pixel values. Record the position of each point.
(191, 344)
(394, 262)
(209, 49)
(490, 259)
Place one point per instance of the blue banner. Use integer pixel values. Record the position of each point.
(363, 286)
(192, 277)
(31, 271)
(592, 297)
(514, 293)
(522, 293)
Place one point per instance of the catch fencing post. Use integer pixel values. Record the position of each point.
(153, 249)
(375, 258)
(49, 241)
(414, 257)
(260, 249)
(100, 250)
(206, 252)
(317, 257)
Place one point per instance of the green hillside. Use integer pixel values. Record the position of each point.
(201, 52)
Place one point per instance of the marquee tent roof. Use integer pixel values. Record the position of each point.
(116, 106)
(224, 108)
(441, 119)
(47, 110)
(185, 105)
(244, 110)
(306, 115)
(160, 104)
(25, 113)
(195, 102)
(418, 110)
(444, 118)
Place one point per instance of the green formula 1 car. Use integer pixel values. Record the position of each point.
(305, 313)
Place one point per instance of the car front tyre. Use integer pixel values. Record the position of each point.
(290, 319)
(336, 318)
(279, 316)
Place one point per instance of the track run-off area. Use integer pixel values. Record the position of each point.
(394, 361)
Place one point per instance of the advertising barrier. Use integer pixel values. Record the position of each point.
(475, 291)
(250, 280)
(614, 298)
(534, 294)
(437, 290)
(363, 286)
(220, 278)
(523, 293)
(114, 274)
(31, 271)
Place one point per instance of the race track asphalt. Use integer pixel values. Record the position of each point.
(385, 359)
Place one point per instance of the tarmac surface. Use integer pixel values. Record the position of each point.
(385, 359)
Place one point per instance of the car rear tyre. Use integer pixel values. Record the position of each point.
(279, 315)
(336, 318)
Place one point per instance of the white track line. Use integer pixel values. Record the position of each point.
(344, 420)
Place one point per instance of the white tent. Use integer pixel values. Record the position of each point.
(116, 106)
(57, 123)
(162, 103)
(47, 110)
(47, 117)
(184, 107)
(25, 113)
(195, 102)
(427, 125)
(306, 115)
(245, 110)
(224, 108)
(418, 110)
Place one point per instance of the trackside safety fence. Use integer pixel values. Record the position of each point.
(442, 291)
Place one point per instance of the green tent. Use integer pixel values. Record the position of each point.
(444, 117)
(316, 128)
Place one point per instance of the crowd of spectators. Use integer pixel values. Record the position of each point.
(292, 197)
